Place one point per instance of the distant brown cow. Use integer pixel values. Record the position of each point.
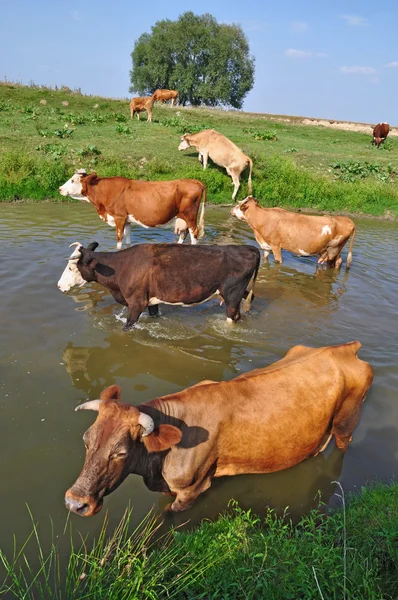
(380, 132)
(139, 105)
(120, 201)
(223, 152)
(164, 95)
(260, 422)
(276, 229)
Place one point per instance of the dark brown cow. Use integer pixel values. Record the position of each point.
(165, 95)
(380, 132)
(139, 105)
(276, 229)
(263, 421)
(150, 274)
(120, 201)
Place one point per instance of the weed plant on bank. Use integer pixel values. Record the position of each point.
(351, 554)
(46, 134)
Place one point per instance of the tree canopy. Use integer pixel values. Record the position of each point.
(207, 62)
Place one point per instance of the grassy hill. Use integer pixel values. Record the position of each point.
(45, 134)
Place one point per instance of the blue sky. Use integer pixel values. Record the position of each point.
(313, 58)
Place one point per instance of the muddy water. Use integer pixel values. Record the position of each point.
(57, 350)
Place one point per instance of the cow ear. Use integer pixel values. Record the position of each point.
(162, 438)
(113, 392)
(92, 246)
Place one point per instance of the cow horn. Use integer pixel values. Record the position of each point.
(75, 244)
(90, 405)
(147, 422)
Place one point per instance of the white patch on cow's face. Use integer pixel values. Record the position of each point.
(303, 252)
(184, 145)
(71, 277)
(326, 230)
(238, 213)
(73, 188)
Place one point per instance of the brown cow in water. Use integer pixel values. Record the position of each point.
(380, 132)
(223, 152)
(165, 95)
(276, 229)
(139, 105)
(263, 421)
(120, 201)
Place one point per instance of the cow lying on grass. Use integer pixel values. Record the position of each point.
(263, 421)
(276, 229)
(120, 201)
(147, 275)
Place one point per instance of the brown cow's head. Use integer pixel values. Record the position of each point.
(116, 444)
(239, 211)
(184, 145)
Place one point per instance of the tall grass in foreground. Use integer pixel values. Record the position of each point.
(351, 554)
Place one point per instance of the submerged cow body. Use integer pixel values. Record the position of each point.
(146, 275)
(165, 95)
(276, 229)
(139, 105)
(380, 132)
(263, 421)
(224, 153)
(120, 201)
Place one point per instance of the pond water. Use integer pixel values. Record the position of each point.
(57, 350)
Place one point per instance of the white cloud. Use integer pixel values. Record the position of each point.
(355, 20)
(393, 64)
(355, 70)
(76, 16)
(299, 26)
(293, 53)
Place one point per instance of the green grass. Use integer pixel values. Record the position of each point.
(294, 165)
(350, 554)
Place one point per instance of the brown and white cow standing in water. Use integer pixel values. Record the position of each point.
(263, 421)
(276, 229)
(165, 95)
(139, 105)
(380, 132)
(223, 152)
(120, 201)
(147, 275)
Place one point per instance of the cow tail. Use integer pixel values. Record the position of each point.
(349, 256)
(250, 289)
(201, 224)
(249, 181)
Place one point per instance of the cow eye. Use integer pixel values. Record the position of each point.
(119, 454)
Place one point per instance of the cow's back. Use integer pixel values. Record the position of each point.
(221, 150)
(276, 416)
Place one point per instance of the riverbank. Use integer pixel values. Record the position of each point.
(351, 553)
(46, 134)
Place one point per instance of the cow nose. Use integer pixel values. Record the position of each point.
(76, 506)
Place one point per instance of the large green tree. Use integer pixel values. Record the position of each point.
(207, 62)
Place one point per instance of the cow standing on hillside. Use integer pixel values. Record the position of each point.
(223, 152)
(263, 421)
(120, 201)
(165, 95)
(276, 229)
(380, 132)
(139, 105)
